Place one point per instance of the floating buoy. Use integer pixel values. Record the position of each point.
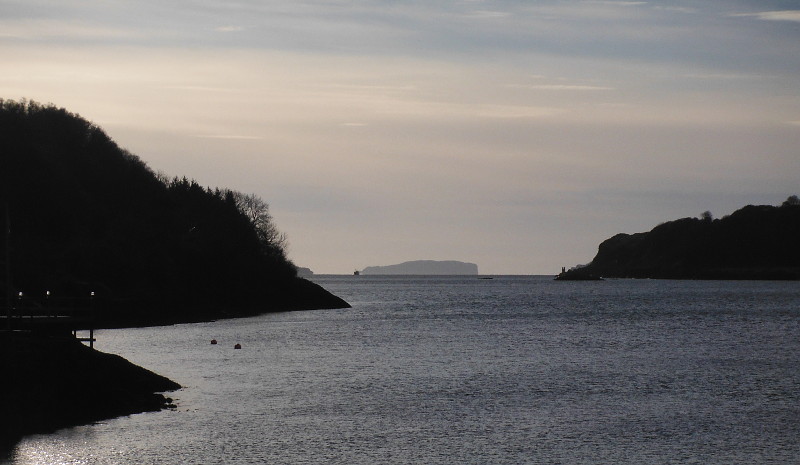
(237, 346)
(213, 341)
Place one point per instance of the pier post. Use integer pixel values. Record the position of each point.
(8, 265)
(91, 320)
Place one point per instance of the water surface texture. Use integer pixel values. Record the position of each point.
(443, 370)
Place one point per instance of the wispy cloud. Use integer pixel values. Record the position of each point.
(614, 3)
(783, 15)
(202, 88)
(725, 76)
(567, 87)
(677, 9)
(487, 14)
(229, 28)
(54, 29)
(228, 136)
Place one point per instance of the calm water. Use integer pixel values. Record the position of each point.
(513, 370)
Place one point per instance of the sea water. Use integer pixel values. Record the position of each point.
(461, 370)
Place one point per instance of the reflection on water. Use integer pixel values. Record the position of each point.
(459, 370)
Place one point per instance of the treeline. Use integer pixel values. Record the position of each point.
(754, 242)
(85, 215)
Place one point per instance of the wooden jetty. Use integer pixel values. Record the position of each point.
(50, 315)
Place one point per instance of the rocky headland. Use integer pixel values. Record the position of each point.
(754, 242)
(87, 225)
(81, 215)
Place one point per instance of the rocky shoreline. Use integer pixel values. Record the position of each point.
(53, 381)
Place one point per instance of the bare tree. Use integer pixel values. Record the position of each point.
(257, 211)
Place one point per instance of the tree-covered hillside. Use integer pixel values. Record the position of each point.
(85, 215)
(755, 242)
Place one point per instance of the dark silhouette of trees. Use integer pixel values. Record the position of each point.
(88, 215)
(754, 242)
(273, 242)
(792, 200)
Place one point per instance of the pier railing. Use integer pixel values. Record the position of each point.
(50, 314)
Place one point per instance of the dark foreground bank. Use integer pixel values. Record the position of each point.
(51, 382)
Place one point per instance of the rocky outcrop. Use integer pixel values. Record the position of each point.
(755, 242)
(53, 381)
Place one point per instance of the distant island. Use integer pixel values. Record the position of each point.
(425, 267)
(304, 272)
(755, 242)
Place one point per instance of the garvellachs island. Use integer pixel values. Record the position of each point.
(754, 242)
(425, 267)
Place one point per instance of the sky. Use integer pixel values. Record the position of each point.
(517, 135)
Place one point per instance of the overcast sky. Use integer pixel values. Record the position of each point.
(513, 134)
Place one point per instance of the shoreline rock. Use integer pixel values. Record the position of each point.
(53, 381)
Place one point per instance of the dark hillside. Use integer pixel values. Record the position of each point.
(755, 242)
(86, 215)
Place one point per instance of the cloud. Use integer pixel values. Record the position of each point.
(229, 28)
(201, 88)
(725, 76)
(783, 15)
(228, 136)
(55, 29)
(567, 87)
(614, 3)
(677, 9)
(487, 14)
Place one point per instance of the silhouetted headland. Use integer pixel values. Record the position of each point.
(87, 216)
(86, 221)
(52, 381)
(755, 242)
(425, 267)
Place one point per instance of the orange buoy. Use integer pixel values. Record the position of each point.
(237, 346)
(213, 341)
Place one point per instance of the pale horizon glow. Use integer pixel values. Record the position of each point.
(515, 135)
